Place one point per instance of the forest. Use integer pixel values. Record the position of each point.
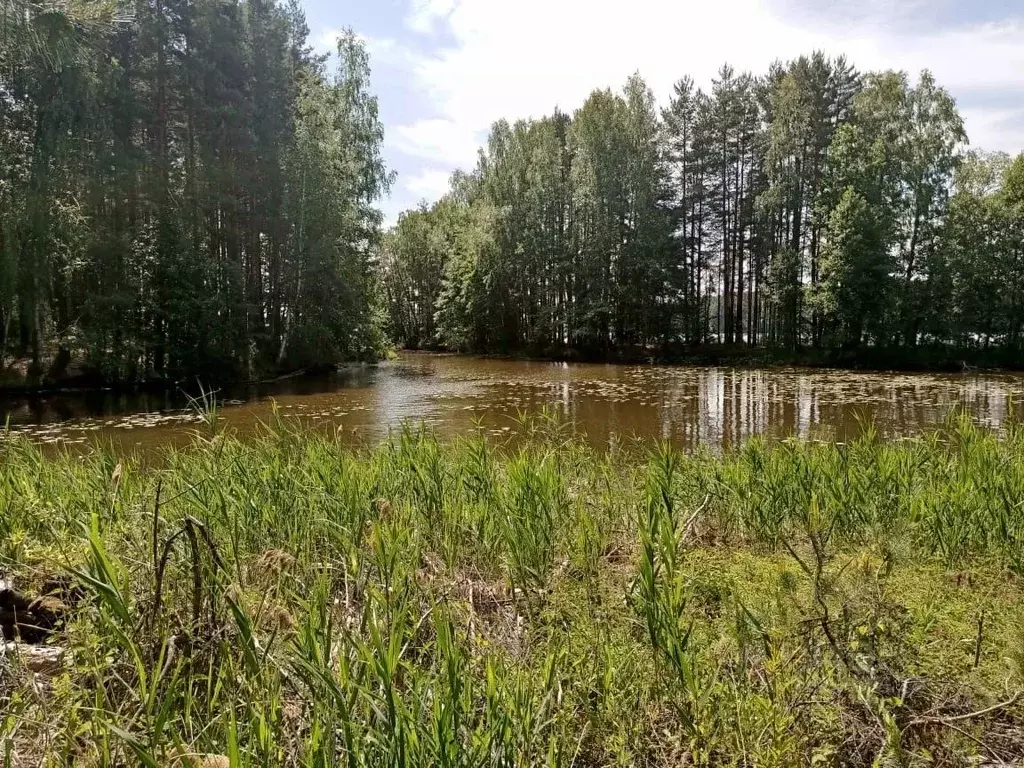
(186, 188)
(811, 208)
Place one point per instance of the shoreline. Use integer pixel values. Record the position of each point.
(922, 360)
(878, 361)
(87, 384)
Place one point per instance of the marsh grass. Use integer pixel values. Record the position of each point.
(290, 601)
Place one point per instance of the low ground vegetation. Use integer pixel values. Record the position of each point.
(292, 601)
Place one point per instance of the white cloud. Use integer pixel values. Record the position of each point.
(452, 142)
(327, 40)
(988, 57)
(380, 48)
(426, 13)
(429, 184)
(839, 17)
(521, 58)
(995, 129)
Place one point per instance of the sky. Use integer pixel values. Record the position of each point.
(445, 70)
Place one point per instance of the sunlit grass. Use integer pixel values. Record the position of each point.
(290, 600)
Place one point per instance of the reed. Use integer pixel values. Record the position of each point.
(286, 600)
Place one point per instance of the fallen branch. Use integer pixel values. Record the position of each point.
(937, 720)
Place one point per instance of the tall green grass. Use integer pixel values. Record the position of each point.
(290, 601)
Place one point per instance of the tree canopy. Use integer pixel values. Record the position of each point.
(185, 188)
(810, 207)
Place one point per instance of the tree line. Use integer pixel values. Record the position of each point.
(812, 207)
(185, 188)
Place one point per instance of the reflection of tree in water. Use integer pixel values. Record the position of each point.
(609, 404)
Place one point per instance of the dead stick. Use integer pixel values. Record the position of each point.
(977, 642)
(957, 718)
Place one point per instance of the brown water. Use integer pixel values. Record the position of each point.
(605, 403)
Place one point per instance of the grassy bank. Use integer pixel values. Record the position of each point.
(287, 601)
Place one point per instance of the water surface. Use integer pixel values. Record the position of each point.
(605, 403)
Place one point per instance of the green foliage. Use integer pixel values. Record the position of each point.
(184, 190)
(291, 601)
(855, 270)
(811, 206)
(557, 240)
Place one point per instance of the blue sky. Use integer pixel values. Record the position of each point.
(444, 70)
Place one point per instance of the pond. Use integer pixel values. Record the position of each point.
(605, 403)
